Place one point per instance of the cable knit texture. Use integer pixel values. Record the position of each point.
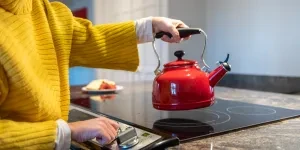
(39, 41)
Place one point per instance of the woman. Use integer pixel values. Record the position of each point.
(39, 41)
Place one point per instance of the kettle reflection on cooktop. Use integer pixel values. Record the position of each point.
(183, 128)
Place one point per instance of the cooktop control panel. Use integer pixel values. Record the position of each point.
(129, 137)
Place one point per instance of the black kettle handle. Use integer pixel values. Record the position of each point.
(183, 32)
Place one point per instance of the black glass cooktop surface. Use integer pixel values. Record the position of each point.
(224, 116)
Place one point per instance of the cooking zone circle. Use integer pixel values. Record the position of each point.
(200, 118)
(250, 110)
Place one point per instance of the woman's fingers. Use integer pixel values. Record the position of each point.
(114, 124)
(171, 25)
(110, 130)
(103, 134)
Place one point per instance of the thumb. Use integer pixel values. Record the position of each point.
(101, 140)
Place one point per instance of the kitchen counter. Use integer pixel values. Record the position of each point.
(280, 135)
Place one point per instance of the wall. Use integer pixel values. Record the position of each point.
(262, 36)
(192, 13)
(108, 12)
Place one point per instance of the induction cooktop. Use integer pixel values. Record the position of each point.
(222, 117)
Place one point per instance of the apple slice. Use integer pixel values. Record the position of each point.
(104, 86)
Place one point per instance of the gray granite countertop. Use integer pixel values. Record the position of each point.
(284, 135)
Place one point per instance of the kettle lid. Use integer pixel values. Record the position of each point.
(180, 62)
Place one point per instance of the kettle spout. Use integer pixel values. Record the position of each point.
(216, 75)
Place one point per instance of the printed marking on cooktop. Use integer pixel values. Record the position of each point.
(250, 110)
(227, 117)
(211, 112)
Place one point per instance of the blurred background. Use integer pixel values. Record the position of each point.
(261, 36)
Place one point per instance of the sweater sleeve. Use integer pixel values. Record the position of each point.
(110, 46)
(24, 135)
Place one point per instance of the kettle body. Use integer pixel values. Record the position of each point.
(182, 88)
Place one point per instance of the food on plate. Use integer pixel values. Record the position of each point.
(101, 84)
(107, 85)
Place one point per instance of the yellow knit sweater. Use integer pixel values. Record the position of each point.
(39, 41)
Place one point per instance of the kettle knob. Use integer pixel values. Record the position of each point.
(179, 54)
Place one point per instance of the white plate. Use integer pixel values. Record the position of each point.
(118, 89)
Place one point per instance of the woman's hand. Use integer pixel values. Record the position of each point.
(168, 25)
(103, 129)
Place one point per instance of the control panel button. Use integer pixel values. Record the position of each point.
(128, 138)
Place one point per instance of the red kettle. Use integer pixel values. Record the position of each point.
(182, 84)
